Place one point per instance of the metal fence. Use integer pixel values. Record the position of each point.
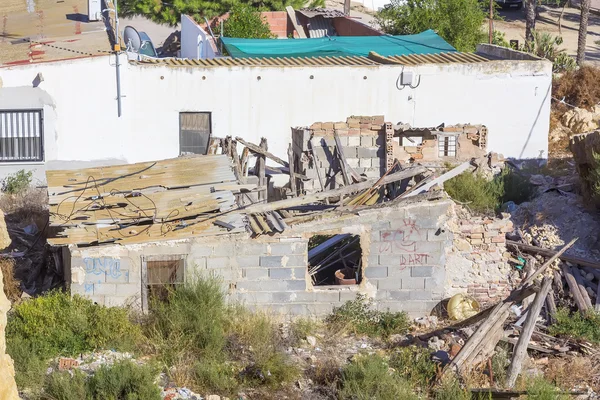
(21, 135)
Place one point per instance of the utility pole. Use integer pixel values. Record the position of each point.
(118, 64)
(491, 38)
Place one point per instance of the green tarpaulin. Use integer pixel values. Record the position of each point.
(427, 42)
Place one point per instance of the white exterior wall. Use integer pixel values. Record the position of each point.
(195, 42)
(512, 98)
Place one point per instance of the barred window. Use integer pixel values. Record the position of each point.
(447, 146)
(21, 135)
(161, 274)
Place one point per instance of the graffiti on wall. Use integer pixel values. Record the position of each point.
(110, 267)
(403, 242)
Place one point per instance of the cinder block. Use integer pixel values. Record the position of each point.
(320, 309)
(247, 261)
(353, 162)
(218, 262)
(389, 283)
(327, 296)
(262, 286)
(283, 297)
(281, 249)
(399, 272)
(301, 297)
(343, 140)
(295, 261)
(248, 248)
(201, 250)
(413, 283)
(376, 272)
(438, 235)
(299, 273)
(420, 295)
(353, 141)
(227, 274)
(258, 297)
(224, 249)
(117, 301)
(368, 152)
(389, 260)
(372, 260)
(197, 263)
(106, 289)
(400, 295)
(366, 162)
(271, 261)
(295, 285)
(422, 272)
(367, 141)
(84, 289)
(347, 295)
(280, 273)
(351, 152)
(255, 273)
(91, 277)
(375, 236)
(129, 289)
(120, 277)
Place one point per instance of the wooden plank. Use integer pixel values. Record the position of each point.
(346, 168)
(573, 287)
(357, 187)
(441, 179)
(530, 346)
(520, 350)
(259, 169)
(543, 268)
(551, 306)
(236, 163)
(549, 253)
(581, 284)
(292, 16)
(292, 171)
(263, 151)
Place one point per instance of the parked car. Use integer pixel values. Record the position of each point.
(516, 4)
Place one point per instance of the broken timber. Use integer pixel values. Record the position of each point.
(549, 253)
(260, 150)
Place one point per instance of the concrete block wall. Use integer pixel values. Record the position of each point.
(403, 250)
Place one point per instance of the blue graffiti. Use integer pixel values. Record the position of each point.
(110, 267)
(88, 287)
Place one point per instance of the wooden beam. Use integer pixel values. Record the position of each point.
(549, 253)
(548, 263)
(443, 178)
(298, 201)
(259, 169)
(581, 284)
(292, 172)
(292, 16)
(573, 287)
(346, 168)
(520, 350)
(259, 150)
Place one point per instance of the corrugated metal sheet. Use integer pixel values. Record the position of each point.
(264, 224)
(440, 58)
(319, 27)
(143, 202)
(264, 62)
(324, 12)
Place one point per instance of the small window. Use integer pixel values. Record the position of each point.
(447, 146)
(194, 132)
(162, 274)
(335, 259)
(21, 135)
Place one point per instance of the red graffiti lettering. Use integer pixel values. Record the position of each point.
(413, 259)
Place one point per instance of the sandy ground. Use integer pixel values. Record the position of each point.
(513, 27)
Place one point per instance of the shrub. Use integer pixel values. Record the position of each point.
(17, 182)
(450, 389)
(58, 324)
(541, 389)
(369, 377)
(486, 196)
(358, 316)
(414, 364)
(545, 45)
(246, 22)
(459, 22)
(122, 380)
(300, 328)
(216, 377)
(577, 325)
(579, 88)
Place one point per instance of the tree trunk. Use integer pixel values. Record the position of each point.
(530, 13)
(583, 25)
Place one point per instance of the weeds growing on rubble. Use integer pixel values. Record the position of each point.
(541, 389)
(577, 325)
(17, 182)
(359, 316)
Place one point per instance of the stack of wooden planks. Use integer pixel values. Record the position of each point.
(143, 202)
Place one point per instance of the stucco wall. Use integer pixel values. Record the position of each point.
(403, 258)
(512, 98)
(195, 42)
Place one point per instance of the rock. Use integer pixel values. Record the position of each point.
(541, 361)
(454, 349)
(213, 397)
(311, 340)
(579, 120)
(435, 343)
(8, 387)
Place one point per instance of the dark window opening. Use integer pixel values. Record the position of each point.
(194, 132)
(335, 259)
(163, 274)
(21, 135)
(447, 146)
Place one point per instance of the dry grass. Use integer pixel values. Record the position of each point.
(579, 88)
(571, 372)
(11, 284)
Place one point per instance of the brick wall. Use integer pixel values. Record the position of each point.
(403, 250)
(477, 262)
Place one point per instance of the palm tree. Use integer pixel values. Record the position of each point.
(583, 25)
(530, 14)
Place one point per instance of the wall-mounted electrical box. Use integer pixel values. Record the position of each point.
(94, 10)
(406, 78)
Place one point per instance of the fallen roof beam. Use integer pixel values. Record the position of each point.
(443, 178)
(256, 149)
(302, 200)
(549, 253)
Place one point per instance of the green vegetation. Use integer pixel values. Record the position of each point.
(123, 380)
(370, 377)
(486, 196)
(541, 389)
(169, 12)
(577, 325)
(58, 324)
(450, 389)
(414, 364)
(546, 46)
(17, 183)
(359, 316)
(459, 22)
(245, 22)
(300, 328)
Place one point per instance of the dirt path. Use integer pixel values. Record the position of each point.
(513, 27)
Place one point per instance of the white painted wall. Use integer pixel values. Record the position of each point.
(511, 97)
(195, 42)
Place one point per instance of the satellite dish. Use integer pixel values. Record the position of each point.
(132, 39)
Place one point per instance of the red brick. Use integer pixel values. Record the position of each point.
(499, 239)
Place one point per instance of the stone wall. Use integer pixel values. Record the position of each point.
(403, 257)
(476, 264)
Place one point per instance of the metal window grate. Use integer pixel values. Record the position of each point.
(163, 275)
(194, 132)
(447, 146)
(21, 137)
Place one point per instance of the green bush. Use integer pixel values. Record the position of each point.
(414, 364)
(486, 196)
(459, 22)
(214, 376)
(17, 182)
(123, 380)
(246, 22)
(450, 389)
(300, 328)
(577, 325)
(359, 316)
(369, 377)
(541, 389)
(57, 324)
